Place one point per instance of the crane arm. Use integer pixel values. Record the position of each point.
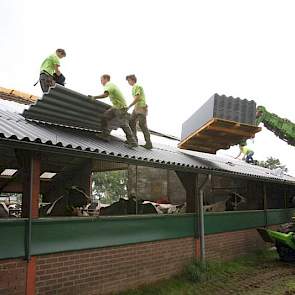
(281, 127)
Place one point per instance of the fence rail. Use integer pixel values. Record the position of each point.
(51, 235)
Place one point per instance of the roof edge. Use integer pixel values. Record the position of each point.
(17, 96)
(34, 146)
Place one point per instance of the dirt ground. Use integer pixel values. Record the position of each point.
(275, 278)
(264, 274)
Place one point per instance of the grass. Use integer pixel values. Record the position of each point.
(198, 278)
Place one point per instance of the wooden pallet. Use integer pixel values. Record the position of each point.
(218, 134)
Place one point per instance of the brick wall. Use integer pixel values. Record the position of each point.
(12, 277)
(106, 270)
(229, 245)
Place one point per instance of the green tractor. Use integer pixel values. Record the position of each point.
(284, 240)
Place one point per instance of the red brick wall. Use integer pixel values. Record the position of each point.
(106, 270)
(232, 244)
(100, 271)
(12, 277)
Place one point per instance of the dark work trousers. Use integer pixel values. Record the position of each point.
(46, 81)
(141, 119)
(121, 116)
(249, 158)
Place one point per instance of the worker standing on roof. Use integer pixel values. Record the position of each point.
(117, 111)
(49, 71)
(247, 152)
(140, 111)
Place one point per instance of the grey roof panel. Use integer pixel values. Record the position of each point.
(65, 107)
(221, 107)
(14, 126)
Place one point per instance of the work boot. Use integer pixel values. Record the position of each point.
(105, 136)
(131, 145)
(147, 146)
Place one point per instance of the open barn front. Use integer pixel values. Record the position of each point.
(71, 222)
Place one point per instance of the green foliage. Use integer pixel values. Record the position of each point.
(110, 186)
(273, 163)
(196, 272)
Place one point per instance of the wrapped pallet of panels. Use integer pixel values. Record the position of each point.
(221, 122)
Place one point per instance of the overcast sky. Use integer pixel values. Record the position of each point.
(182, 52)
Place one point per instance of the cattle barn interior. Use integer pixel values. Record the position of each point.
(169, 190)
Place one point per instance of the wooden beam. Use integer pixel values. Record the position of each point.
(30, 179)
(231, 131)
(209, 144)
(189, 182)
(198, 148)
(79, 175)
(206, 146)
(204, 137)
(30, 167)
(197, 131)
(13, 187)
(8, 180)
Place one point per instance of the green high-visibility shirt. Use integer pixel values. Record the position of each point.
(49, 63)
(138, 90)
(115, 95)
(245, 150)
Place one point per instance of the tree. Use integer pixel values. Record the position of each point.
(110, 186)
(272, 163)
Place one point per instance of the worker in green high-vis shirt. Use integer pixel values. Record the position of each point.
(49, 70)
(117, 111)
(247, 153)
(140, 111)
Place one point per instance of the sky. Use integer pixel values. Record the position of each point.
(181, 51)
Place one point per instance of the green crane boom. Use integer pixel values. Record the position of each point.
(283, 128)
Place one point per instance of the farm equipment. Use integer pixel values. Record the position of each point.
(283, 128)
(284, 240)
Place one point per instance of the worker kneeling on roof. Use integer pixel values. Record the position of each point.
(117, 111)
(247, 152)
(140, 111)
(49, 71)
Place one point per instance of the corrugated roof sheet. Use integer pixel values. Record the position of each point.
(17, 96)
(14, 126)
(220, 107)
(65, 107)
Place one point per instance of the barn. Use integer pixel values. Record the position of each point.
(223, 201)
